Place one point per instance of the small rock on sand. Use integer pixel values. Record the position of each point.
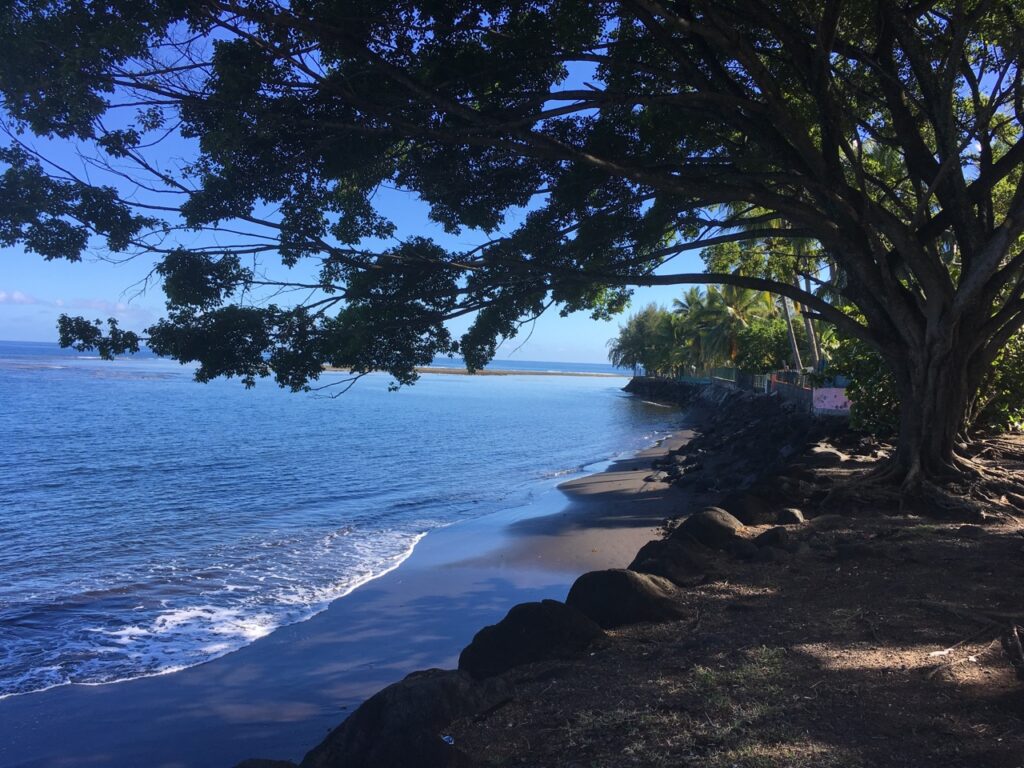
(970, 531)
(743, 549)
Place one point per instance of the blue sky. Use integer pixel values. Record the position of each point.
(33, 293)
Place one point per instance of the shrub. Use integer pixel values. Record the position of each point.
(999, 404)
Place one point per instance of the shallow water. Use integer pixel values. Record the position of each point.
(149, 523)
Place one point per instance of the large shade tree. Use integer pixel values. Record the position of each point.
(887, 131)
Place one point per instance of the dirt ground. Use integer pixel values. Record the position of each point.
(877, 639)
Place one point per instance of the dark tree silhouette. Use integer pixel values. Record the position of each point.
(889, 131)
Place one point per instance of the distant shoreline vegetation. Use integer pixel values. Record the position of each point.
(501, 372)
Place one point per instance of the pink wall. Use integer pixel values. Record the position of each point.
(830, 399)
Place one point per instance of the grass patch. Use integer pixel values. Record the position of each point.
(742, 706)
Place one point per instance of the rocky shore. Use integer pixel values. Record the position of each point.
(762, 629)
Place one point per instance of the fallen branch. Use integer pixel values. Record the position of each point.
(946, 651)
(972, 658)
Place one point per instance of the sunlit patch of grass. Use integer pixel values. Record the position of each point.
(783, 755)
(736, 695)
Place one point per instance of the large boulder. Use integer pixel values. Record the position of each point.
(713, 527)
(790, 516)
(529, 632)
(681, 559)
(824, 457)
(750, 508)
(619, 596)
(403, 724)
(743, 549)
(774, 537)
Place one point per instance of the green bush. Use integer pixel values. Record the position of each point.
(1001, 402)
(763, 346)
(872, 389)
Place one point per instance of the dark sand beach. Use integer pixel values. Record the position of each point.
(279, 696)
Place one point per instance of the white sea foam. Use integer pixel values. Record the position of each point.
(553, 473)
(177, 637)
(218, 514)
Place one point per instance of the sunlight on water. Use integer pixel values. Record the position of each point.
(151, 523)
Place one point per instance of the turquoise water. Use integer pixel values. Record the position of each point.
(149, 523)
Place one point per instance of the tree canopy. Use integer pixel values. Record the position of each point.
(594, 141)
(730, 327)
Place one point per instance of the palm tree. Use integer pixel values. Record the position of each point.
(778, 258)
(693, 300)
(793, 345)
(647, 340)
(686, 313)
(626, 350)
(728, 310)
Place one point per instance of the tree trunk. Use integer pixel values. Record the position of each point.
(935, 386)
(812, 335)
(792, 335)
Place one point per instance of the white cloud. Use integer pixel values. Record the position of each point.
(100, 305)
(120, 309)
(16, 297)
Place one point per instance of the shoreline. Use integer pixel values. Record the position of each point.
(513, 372)
(314, 612)
(279, 695)
(450, 371)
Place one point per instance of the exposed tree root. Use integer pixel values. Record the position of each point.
(986, 476)
(1014, 648)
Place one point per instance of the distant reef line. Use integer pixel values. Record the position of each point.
(499, 372)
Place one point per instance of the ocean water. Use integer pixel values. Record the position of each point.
(149, 523)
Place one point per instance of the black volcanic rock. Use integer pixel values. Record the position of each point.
(681, 559)
(529, 632)
(713, 527)
(404, 724)
(619, 596)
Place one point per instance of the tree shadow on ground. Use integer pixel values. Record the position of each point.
(878, 646)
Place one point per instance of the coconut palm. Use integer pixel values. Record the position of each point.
(626, 350)
(686, 314)
(647, 339)
(727, 310)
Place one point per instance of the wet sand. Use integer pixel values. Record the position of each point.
(278, 697)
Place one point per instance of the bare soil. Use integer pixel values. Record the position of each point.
(881, 639)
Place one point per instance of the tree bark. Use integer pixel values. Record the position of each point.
(795, 348)
(935, 385)
(812, 335)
